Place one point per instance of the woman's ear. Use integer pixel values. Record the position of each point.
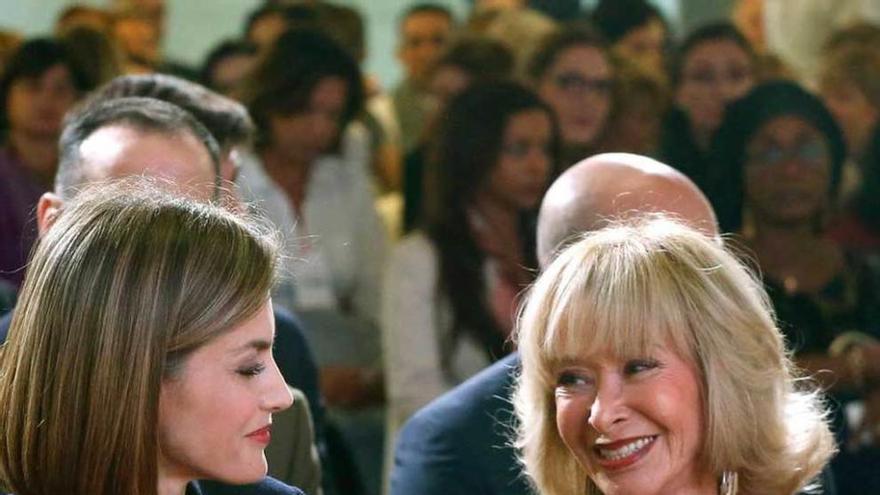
(48, 208)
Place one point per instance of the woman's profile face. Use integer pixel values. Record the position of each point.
(787, 172)
(518, 180)
(635, 425)
(713, 74)
(215, 416)
(577, 86)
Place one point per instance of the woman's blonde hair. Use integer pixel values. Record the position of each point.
(654, 281)
(122, 288)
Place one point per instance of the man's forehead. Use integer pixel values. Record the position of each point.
(118, 151)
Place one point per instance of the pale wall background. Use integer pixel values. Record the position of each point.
(195, 26)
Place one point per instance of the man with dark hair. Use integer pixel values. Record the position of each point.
(424, 30)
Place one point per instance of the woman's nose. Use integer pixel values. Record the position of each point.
(278, 396)
(609, 406)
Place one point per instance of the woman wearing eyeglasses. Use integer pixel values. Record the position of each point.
(780, 153)
(572, 73)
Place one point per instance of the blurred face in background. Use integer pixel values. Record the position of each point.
(228, 73)
(713, 74)
(645, 47)
(304, 135)
(448, 81)
(423, 36)
(35, 106)
(266, 30)
(787, 172)
(577, 86)
(853, 111)
(139, 38)
(520, 177)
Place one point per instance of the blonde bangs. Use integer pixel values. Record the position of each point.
(623, 301)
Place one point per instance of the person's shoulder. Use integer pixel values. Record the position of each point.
(268, 486)
(475, 406)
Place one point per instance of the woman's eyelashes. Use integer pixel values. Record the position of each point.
(629, 369)
(251, 370)
(636, 366)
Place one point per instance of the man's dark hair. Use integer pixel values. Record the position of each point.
(617, 18)
(426, 8)
(226, 119)
(32, 59)
(143, 114)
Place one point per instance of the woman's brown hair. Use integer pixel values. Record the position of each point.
(122, 288)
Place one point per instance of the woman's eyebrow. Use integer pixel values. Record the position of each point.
(256, 345)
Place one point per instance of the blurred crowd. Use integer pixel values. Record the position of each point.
(409, 212)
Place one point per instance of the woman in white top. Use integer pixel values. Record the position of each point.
(310, 179)
(450, 290)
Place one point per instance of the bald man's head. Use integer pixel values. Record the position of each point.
(614, 186)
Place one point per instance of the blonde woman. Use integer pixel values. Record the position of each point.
(139, 357)
(651, 364)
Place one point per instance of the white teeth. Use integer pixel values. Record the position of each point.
(626, 450)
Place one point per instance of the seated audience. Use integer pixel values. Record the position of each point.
(450, 289)
(639, 345)
(780, 152)
(572, 72)
(144, 327)
(715, 65)
(40, 84)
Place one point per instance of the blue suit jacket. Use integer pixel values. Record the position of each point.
(268, 486)
(460, 443)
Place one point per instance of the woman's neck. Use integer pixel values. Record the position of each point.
(783, 241)
(171, 485)
(289, 173)
(40, 155)
(796, 257)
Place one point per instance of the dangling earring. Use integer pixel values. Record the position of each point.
(729, 483)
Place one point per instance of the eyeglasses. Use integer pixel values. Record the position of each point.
(573, 82)
(809, 153)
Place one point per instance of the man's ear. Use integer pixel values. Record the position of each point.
(48, 209)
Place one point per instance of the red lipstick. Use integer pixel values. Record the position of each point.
(263, 435)
(638, 448)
